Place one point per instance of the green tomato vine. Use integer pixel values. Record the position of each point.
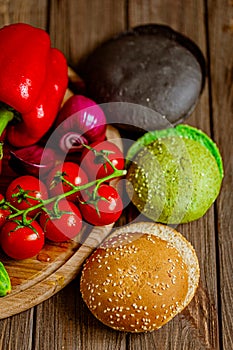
(25, 221)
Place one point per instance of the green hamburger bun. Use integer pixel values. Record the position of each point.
(174, 175)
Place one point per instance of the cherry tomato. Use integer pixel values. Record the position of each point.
(3, 216)
(64, 227)
(105, 209)
(21, 242)
(96, 166)
(72, 172)
(23, 186)
(4, 211)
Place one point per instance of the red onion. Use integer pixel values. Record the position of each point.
(80, 120)
(27, 160)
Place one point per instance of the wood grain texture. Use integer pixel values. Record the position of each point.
(84, 24)
(76, 27)
(220, 28)
(200, 319)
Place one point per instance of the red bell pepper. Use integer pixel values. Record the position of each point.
(33, 81)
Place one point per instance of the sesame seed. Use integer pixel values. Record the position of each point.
(144, 327)
(110, 300)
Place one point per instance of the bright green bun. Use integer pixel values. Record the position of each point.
(174, 175)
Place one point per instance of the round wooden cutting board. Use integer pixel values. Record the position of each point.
(36, 279)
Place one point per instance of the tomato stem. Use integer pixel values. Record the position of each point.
(24, 213)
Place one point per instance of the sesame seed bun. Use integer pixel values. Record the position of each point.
(142, 276)
(174, 175)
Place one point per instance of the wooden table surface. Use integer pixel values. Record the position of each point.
(76, 27)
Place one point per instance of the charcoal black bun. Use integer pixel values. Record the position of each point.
(152, 66)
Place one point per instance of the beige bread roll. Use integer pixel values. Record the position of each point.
(140, 277)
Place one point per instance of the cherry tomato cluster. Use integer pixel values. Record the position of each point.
(54, 208)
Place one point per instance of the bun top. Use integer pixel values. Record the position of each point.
(174, 175)
(151, 66)
(140, 278)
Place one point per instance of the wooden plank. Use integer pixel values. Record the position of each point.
(76, 27)
(17, 332)
(220, 28)
(28, 11)
(200, 319)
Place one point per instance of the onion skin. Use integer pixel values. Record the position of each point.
(27, 160)
(82, 118)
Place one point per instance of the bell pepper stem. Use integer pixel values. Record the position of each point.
(5, 117)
